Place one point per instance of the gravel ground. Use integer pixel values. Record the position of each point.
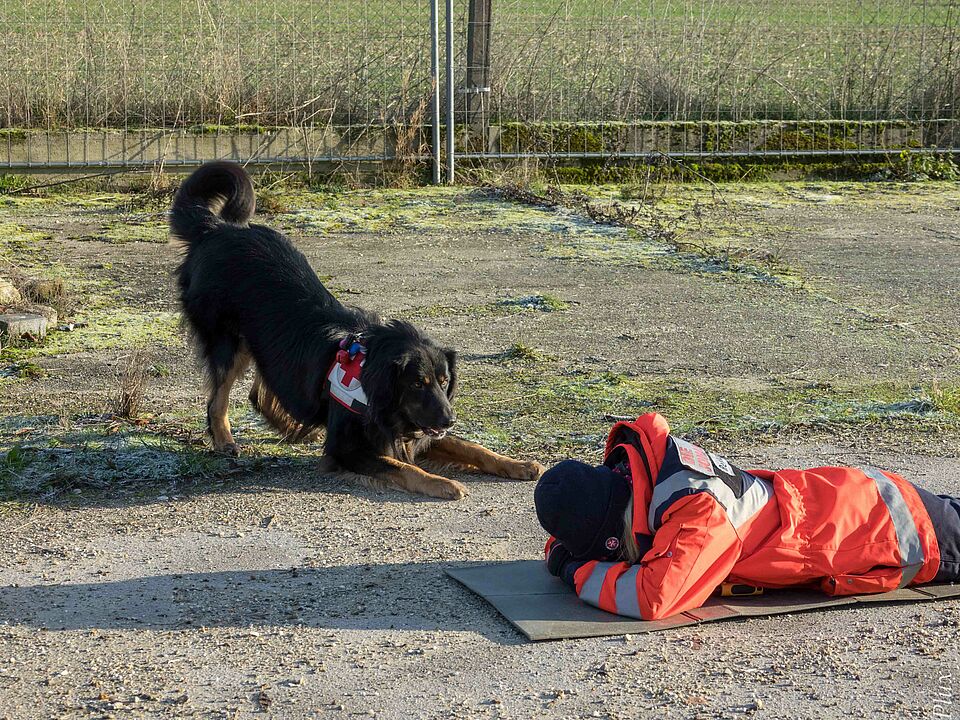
(263, 588)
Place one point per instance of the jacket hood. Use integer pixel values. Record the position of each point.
(641, 445)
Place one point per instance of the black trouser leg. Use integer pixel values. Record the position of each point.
(944, 512)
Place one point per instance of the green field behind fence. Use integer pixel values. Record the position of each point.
(172, 63)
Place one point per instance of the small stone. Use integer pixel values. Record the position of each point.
(23, 324)
(9, 295)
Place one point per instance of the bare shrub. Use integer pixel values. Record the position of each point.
(127, 402)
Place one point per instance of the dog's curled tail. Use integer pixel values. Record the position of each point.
(218, 192)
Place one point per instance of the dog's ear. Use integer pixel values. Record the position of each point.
(380, 379)
(452, 369)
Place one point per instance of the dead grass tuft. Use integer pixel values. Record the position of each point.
(128, 400)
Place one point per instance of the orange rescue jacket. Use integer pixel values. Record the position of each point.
(846, 530)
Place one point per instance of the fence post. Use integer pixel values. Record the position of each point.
(451, 133)
(478, 56)
(435, 80)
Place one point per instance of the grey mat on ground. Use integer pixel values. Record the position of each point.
(543, 608)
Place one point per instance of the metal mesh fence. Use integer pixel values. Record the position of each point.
(176, 63)
(718, 77)
(106, 82)
(186, 80)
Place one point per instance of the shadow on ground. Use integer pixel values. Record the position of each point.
(405, 596)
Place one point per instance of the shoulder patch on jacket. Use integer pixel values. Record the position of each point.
(693, 457)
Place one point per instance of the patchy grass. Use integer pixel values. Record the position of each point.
(539, 303)
(128, 231)
(520, 351)
(99, 454)
(535, 303)
(428, 210)
(25, 370)
(661, 227)
(119, 464)
(946, 398)
(519, 401)
(18, 242)
(570, 413)
(105, 329)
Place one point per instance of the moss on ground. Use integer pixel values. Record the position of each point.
(519, 405)
(99, 455)
(423, 209)
(102, 319)
(24, 370)
(18, 243)
(545, 303)
(103, 329)
(127, 231)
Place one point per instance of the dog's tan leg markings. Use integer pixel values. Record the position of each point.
(265, 402)
(451, 449)
(407, 477)
(218, 420)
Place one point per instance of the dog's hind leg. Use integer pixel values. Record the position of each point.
(266, 403)
(452, 449)
(228, 362)
(405, 476)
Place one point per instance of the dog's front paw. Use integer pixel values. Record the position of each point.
(445, 489)
(526, 470)
(533, 469)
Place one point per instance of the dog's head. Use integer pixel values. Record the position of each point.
(410, 381)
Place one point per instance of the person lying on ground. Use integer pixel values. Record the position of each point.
(663, 523)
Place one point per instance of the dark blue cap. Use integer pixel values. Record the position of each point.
(583, 507)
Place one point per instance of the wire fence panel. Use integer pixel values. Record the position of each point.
(135, 83)
(712, 77)
(182, 77)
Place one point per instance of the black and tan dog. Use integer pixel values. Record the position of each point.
(381, 389)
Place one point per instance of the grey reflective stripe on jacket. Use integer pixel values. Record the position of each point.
(590, 592)
(627, 601)
(756, 494)
(911, 551)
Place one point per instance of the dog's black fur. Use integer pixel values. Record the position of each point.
(248, 293)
